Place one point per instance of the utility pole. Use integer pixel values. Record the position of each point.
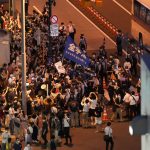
(50, 2)
(24, 104)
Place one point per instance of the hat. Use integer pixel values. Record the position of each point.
(43, 86)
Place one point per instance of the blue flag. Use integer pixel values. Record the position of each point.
(73, 52)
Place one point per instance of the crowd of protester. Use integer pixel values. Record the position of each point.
(57, 101)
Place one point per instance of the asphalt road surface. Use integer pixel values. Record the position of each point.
(117, 12)
(87, 139)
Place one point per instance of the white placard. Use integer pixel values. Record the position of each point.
(60, 68)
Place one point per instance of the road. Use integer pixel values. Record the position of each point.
(116, 14)
(87, 139)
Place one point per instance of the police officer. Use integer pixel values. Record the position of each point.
(119, 43)
(83, 43)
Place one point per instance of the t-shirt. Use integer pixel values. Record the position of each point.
(93, 104)
(66, 122)
(5, 137)
(86, 107)
(28, 148)
(108, 131)
(17, 146)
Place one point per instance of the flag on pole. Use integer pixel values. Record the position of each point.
(73, 52)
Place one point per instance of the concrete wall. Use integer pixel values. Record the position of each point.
(145, 95)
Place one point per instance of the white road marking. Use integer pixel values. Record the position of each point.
(122, 7)
(34, 7)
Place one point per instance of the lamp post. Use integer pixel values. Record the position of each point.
(24, 105)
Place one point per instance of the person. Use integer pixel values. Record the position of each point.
(108, 131)
(119, 43)
(28, 134)
(40, 125)
(55, 126)
(83, 43)
(102, 69)
(35, 133)
(17, 125)
(28, 147)
(126, 101)
(67, 129)
(102, 51)
(134, 59)
(117, 106)
(24, 123)
(60, 116)
(98, 113)
(71, 30)
(93, 103)
(85, 114)
(133, 102)
(62, 29)
(44, 131)
(52, 143)
(17, 145)
(74, 109)
(5, 138)
(140, 40)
